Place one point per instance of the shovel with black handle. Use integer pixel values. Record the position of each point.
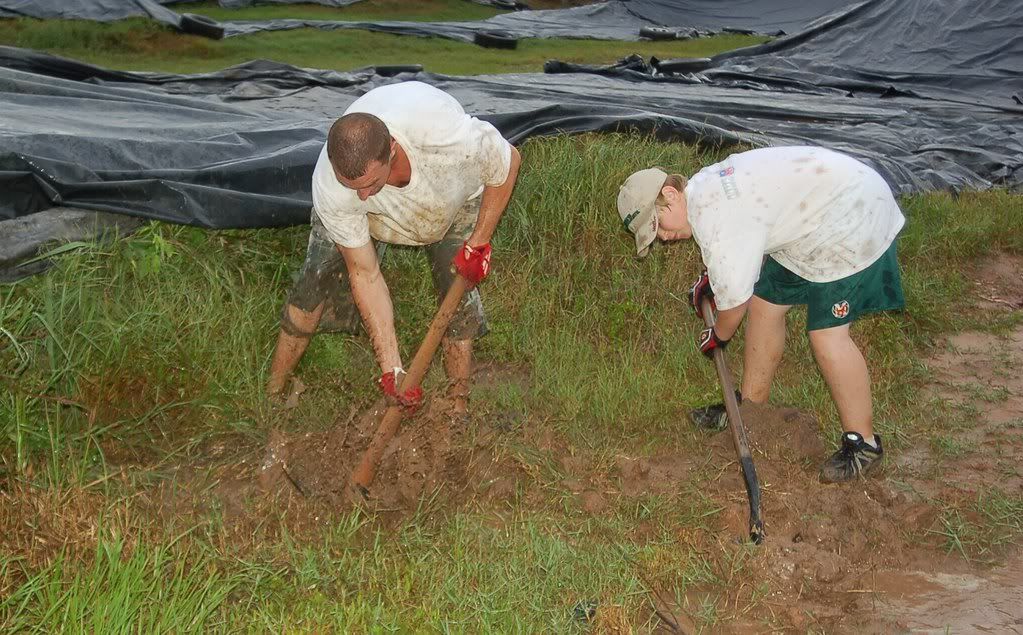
(739, 439)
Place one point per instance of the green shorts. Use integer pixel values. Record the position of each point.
(830, 304)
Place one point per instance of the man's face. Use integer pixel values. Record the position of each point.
(371, 182)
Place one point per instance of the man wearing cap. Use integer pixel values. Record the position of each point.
(779, 227)
(405, 165)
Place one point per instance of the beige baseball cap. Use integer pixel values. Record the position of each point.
(636, 206)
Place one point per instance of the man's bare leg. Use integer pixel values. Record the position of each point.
(458, 366)
(291, 345)
(765, 342)
(845, 372)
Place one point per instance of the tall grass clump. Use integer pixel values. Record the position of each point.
(149, 590)
(157, 338)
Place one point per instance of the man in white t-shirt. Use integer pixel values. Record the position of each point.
(405, 165)
(779, 227)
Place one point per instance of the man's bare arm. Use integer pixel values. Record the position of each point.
(369, 290)
(494, 202)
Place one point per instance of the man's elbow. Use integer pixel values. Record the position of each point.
(513, 167)
(362, 267)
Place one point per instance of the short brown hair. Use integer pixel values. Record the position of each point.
(676, 181)
(355, 141)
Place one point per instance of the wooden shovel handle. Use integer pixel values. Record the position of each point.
(365, 472)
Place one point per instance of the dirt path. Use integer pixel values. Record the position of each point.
(938, 602)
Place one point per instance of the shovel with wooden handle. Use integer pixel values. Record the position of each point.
(365, 472)
(739, 439)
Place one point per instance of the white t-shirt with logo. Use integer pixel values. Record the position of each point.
(453, 156)
(822, 215)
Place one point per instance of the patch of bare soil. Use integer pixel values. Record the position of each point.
(433, 457)
(978, 376)
(929, 601)
(431, 453)
(999, 282)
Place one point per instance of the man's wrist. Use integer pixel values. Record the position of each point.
(392, 365)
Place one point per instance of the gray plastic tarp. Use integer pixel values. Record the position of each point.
(602, 21)
(109, 10)
(236, 148)
(615, 20)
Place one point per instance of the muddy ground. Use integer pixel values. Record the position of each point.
(860, 558)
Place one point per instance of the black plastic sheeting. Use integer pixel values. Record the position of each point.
(109, 10)
(775, 17)
(606, 21)
(21, 238)
(236, 148)
(971, 51)
(511, 5)
(614, 20)
(234, 4)
(96, 10)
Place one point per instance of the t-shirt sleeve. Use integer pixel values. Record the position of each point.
(734, 268)
(346, 227)
(494, 153)
(348, 230)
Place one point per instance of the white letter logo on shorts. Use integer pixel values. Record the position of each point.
(840, 309)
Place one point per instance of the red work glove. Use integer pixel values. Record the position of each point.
(709, 342)
(700, 290)
(409, 401)
(473, 263)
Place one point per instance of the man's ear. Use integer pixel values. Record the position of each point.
(669, 193)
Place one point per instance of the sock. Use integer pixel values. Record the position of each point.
(872, 441)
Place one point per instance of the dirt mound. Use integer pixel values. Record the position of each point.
(432, 454)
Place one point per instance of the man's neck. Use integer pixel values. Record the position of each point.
(401, 168)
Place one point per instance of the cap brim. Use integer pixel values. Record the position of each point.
(646, 231)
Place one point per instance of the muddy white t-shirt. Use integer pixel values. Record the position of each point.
(822, 215)
(453, 157)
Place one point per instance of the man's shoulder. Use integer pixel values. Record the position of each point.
(329, 196)
(410, 99)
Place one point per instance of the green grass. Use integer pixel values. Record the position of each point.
(148, 351)
(151, 589)
(974, 528)
(130, 363)
(137, 44)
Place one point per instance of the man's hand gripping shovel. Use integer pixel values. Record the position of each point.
(739, 439)
(365, 472)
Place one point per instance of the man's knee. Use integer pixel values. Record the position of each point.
(300, 323)
(470, 322)
(830, 340)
